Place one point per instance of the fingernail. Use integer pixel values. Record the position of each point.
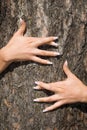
(50, 63)
(36, 88)
(45, 111)
(36, 82)
(55, 38)
(54, 44)
(66, 63)
(36, 100)
(57, 53)
(21, 20)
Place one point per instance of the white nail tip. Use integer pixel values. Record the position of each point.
(36, 82)
(66, 63)
(21, 20)
(55, 38)
(36, 100)
(44, 111)
(50, 63)
(57, 53)
(35, 88)
(54, 44)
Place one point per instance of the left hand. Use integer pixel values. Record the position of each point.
(71, 90)
(22, 48)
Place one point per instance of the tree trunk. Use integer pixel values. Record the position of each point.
(66, 19)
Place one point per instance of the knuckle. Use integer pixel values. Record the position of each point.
(48, 86)
(43, 53)
(51, 87)
(38, 41)
(50, 98)
(51, 38)
(41, 84)
(63, 102)
(44, 100)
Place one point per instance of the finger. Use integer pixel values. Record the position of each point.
(46, 86)
(39, 60)
(43, 41)
(32, 39)
(46, 53)
(54, 44)
(37, 88)
(22, 28)
(66, 69)
(47, 99)
(54, 106)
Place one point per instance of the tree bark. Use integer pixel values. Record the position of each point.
(66, 19)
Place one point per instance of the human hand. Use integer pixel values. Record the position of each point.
(22, 48)
(70, 90)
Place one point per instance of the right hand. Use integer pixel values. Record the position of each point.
(71, 90)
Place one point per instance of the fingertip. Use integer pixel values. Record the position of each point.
(57, 54)
(37, 82)
(49, 62)
(66, 63)
(54, 44)
(66, 69)
(37, 88)
(36, 100)
(55, 38)
(44, 111)
(22, 27)
(21, 20)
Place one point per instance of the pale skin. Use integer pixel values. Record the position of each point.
(71, 90)
(23, 48)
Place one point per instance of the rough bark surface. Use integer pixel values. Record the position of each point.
(66, 19)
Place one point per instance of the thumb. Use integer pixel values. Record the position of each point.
(66, 69)
(22, 28)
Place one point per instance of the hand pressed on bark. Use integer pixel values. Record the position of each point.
(22, 48)
(71, 90)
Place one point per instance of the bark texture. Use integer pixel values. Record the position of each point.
(66, 19)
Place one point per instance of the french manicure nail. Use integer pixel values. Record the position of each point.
(55, 38)
(66, 63)
(50, 63)
(36, 82)
(36, 100)
(54, 44)
(21, 20)
(45, 110)
(57, 53)
(36, 88)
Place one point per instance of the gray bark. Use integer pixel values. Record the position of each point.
(66, 19)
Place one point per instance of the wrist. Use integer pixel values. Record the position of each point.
(4, 62)
(4, 55)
